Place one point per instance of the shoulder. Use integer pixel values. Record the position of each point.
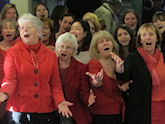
(94, 61)
(78, 64)
(47, 50)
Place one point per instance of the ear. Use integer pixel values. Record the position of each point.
(59, 22)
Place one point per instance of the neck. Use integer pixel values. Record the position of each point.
(45, 42)
(151, 53)
(64, 63)
(58, 34)
(5, 44)
(106, 59)
(125, 49)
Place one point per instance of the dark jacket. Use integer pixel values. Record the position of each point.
(138, 109)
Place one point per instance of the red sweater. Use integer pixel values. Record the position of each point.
(108, 97)
(30, 90)
(76, 87)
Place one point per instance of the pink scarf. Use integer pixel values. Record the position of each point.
(151, 62)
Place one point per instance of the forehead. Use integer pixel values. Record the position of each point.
(66, 43)
(26, 23)
(121, 30)
(130, 14)
(147, 30)
(69, 18)
(11, 9)
(77, 24)
(40, 6)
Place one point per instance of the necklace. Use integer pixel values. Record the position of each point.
(34, 60)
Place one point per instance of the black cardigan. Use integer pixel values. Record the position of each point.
(138, 109)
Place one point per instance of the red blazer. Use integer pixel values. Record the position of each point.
(108, 97)
(30, 90)
(76, 87)
(2, 56)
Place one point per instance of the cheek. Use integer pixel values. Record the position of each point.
(13, 31)
(119, 39)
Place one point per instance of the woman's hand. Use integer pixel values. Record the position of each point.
(3, 97)
(91, 99)
(119, 62)
(63, 108)
(97, 78)
(125, 85)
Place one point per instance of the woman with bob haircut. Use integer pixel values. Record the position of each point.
(31, 86)
(146, 100)
(75, 82)
(101, 69)
(9, 11)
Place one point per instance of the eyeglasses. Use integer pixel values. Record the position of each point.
(67, 48)
(26, 27)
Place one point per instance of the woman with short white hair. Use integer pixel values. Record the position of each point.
(32, 86)
(75, 82)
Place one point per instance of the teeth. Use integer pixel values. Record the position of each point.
(26, 35)
(63, 54)
(148, 43)
(8, 35)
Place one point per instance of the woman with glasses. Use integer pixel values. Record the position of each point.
(31, 85)
(74, 80)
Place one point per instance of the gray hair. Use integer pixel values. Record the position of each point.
(69, 38)
(12, 21)
(27, 17)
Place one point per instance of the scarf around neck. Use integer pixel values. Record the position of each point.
(151, 62)
(33, 49)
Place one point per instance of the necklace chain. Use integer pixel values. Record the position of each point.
(34, 60)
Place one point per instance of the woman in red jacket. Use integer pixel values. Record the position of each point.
(31, 83)
(74, 80)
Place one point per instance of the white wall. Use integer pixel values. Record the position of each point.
(23, 6)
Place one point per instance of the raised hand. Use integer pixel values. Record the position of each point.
(63, 108)
(125, 85)
(3, 97)
(91, 99)
(97, 78)
(119, 62)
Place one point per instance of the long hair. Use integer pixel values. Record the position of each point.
(132, 43)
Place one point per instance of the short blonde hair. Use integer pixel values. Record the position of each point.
(69, 38)
(5, 9)
(93, 51)
(153, 28)
(92, 18)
